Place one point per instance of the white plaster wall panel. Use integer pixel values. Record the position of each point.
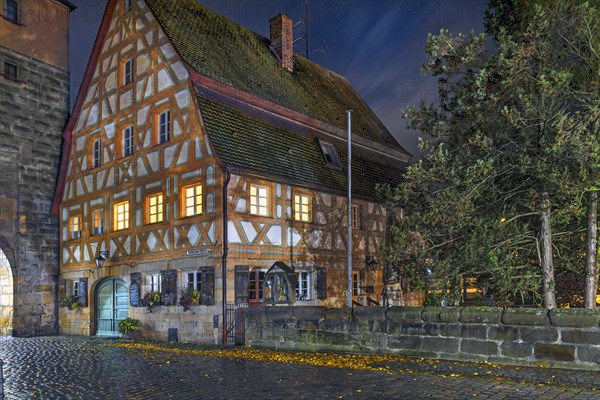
(109, 130)
(315, 238)
(149, 87)
(210, 175)
(169, 154)
(141, 62)
(65, 249)
(121, 194)
(212, 233)
(138, 218)
(106, 155)
(100, 179)
(79, 186)
(176, 237)
(65, 214)
(197, 149)
(97, 202)
(274, 235)
(89, 183)
(110, 82)
(278, 211)
(240, 206)
(326, 199)
(166, 241)
(139, 24)
(91, 94)
(233, 235)
(153, 161)
(150, 37)
(151, 241)
(149, 17)
(321, 218)
(82, 119)
(138, 195)
(167, 51)
(339, 242)
(106, 112)
(176, 127)
(93, 117)
(249, 231)
(210, 203)
(288, 212)
(278, 190)
(293, 237)
(193, 235)
(112, 102)
(164, 80)
(191, 174)
(126, 100)
(77, 254)
(139, 89)
(80, 143)
(141, 167)
(86, 254)
(126, 48)
(179, 70)
(110, 180)
(183, 98)
(142, 115)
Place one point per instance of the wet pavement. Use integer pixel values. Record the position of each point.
(92, 368)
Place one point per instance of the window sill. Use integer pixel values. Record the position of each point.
(18, 81)
(12, 21)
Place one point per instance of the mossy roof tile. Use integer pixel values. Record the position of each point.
(221, 49)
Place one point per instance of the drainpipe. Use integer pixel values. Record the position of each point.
(224, 257)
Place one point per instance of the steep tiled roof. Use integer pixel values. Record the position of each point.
(254, 145)
(223, 50)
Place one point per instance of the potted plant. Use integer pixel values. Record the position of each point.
(72, 302)
(188, 298)
(151, 300)
(130, 328)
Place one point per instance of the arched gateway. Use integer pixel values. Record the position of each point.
(6, 296)
(112, 306)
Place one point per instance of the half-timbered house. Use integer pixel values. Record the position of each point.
(201, 154)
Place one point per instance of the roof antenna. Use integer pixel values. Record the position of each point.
(305, 22)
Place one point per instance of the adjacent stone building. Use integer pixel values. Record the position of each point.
(205, 165)
(34, 107)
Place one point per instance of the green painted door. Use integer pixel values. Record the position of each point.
(112, 306)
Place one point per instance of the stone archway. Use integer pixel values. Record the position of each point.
(6, 295)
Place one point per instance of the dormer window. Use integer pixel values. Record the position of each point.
(10, 10)
(330, 155)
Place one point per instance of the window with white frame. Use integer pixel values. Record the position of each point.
(164, 127)
(97, 222)
(193, 281)
(303, 285)
(128, 68)
(302, 207)
(356, 216)
(97, 154)
(75, 227)
(259, 200)
(128, 141)
(154, 282)
(75, 287)
(121, 216)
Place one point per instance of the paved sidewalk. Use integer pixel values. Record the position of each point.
(92, 368)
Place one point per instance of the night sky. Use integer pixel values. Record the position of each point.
(377, 44)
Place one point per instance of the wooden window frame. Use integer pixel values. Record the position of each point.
(125, 220)
(356, 284)
(254, 277)
(97, 153)
(127, 150)
(258, 207)
(75, 221)
(163, 136)
(160, 208)
(356, 216)
(196, 283)
(298, 211)
(196, 196)
(74, 287)
(154, 282)
(94, 213)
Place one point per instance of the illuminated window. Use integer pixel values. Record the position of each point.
(303, 285)
(11, 10)
(10, 71)
(75, 227)
(355, 284)
(192, 200)
(128, 72)
(155, 208)
(356, 217)
(97, 155)
(330, 155)
(97, 222)
(121, 216)
(164, 127)
(259, 200)
(301, 208)
(128, 141)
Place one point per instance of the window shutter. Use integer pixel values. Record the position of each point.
(242, 273)
(83, 292)
(207, 285)
(169, 287)
(321, 283)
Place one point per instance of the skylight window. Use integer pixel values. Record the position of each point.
(330, 155)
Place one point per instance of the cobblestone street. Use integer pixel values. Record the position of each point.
(91, 368)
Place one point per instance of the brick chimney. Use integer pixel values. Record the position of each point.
(282, 40)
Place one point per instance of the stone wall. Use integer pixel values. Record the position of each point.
(566, 338)
(34, 113)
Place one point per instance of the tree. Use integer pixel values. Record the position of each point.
(513, 148)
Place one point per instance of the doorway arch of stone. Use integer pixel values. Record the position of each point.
(6, 295)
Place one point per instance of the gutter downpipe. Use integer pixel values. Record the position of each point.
(349, 209)
(224, 257)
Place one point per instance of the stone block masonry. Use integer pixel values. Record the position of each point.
(34, 110)
(560, 338)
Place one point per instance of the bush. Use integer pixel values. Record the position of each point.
(129, 325)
